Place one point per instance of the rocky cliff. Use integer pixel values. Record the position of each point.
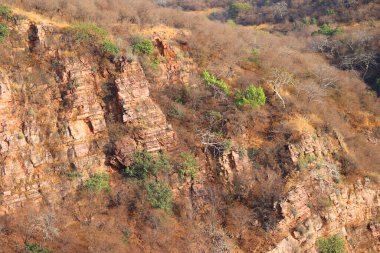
(67, 136)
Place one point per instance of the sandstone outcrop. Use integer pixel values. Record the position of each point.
(152, 132)
(176, 69)
(319, 205)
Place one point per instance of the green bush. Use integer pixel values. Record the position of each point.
(159, 195)
(252, 96)
(236, 7)
(327, 30)
(330, 12)
(88, 31)
(144, 164)
(305, 160)
(5, 11)
(98, 182)
(155, 64)
(189, 167)
(126, 235)
(35, 248)
(377, 84)
(254, 57)
(110, 48)
(212, 81)
(4, 32)
(310, 21)
(142, 46)
(176, 112)
(333, 244)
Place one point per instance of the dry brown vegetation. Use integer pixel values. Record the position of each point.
(305, 94)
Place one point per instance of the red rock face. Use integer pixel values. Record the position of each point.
(176, 70)
(140, 112)
(319, 205)
(25, 151)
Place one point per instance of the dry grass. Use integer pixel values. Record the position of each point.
(299, 124)
(39, 18)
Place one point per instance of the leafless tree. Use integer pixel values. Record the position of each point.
(280, 9)
(212, 141)
(46, 223)
(325, 77)
(279, 80)
(323, 45)
(313, 92)
(361, 60)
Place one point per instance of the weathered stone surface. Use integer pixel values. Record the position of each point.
(339, 207)
(174, 70)
(125, 148)
(139, 111)
(233, 164)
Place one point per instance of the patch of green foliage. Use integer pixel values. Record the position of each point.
(126, 235)
(110, 48)
(310, 21)
(155, 64)
(4, 32)
(332, 244)
(327, 30)
(189, 167)
(377, 84)
(144, 164)
(159, 195)
(236, 7)
(88, 32)
(305, 160)
(254, 57)
(72, 174)
(330, 12)
(176, 112)
(252, 96)
(227, 145)
(5, 11)
(98, 182)
(215, 115)
(35, 248)
(212, 81)
(142, 46)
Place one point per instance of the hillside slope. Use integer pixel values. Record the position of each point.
(128, 133)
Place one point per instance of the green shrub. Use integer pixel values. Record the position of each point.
(330, 12)
(227, 145)
(327, 30)
(73, 174)
(4, 32)
(189, 167)
(155, 64)
(5, 11)
(176, 112)
(35, 248)
(236, 7)
(88, 31)
(142, 46)
(159, 195)
(377, 84)
(252, 96)
(98, 182)
(126, 235)
(333, 244)
(110, 48)
(310, 21)
(305, 160)
(212, 81)
(254, 57)
(144, 164)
